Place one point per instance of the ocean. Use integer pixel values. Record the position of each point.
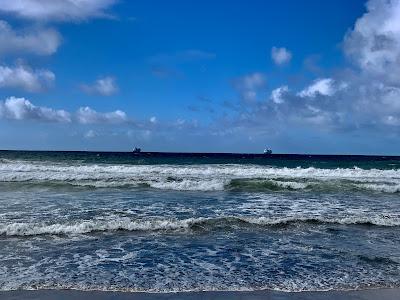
(159, 222)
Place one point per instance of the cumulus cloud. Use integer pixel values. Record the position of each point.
(364, 97)
(57, 10)
(25, 78)
(86, 115)
(277, 95)
(368, 96)
(280, 56)
(334, 106)
(14, 108)
(105, 86)
(22, 109)
(288, 108)
(249, 85)
(39, 41)
(374, 43)
(371, 95)
(324, 87)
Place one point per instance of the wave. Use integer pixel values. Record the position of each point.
(314, 185)
(391, 188)
(194, 224)
(200, 177)
(260, 184)
(246, 185)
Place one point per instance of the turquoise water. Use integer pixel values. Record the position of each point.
(180, 222)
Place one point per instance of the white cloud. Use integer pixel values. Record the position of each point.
(364, 97)
(280, 56)
(374, 43)
(250, 81)
(324, 87)
(57, 10)
(25, 78)
(248, 85)
(86, 115)
(39, 41)
(153, 120)
(22, 109)
(278, 93)
(105, 86)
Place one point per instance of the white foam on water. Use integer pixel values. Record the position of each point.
(87, 226)
(194, 177)
(387, 188)
(127, 224)
(190, 185)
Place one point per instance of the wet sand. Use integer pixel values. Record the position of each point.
(381, 294)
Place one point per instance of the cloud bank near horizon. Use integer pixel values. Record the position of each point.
(365, 95)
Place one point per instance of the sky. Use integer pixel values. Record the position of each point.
(305, 76)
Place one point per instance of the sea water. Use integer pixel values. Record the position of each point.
(183, 222)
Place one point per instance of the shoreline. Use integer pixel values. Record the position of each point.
(366, 294)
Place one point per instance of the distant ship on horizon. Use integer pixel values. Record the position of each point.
(267, 151)
(136, 150)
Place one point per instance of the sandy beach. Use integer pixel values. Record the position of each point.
(382, 294)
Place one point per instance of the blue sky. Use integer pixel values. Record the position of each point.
(231, 76)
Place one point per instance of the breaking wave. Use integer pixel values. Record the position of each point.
(200, 177)
(194, 224)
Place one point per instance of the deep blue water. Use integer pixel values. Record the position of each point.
(169, 222)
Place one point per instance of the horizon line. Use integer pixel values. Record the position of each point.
(203, 153)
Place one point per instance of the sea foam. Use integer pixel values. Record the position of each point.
(200, 223)
(200, 177)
